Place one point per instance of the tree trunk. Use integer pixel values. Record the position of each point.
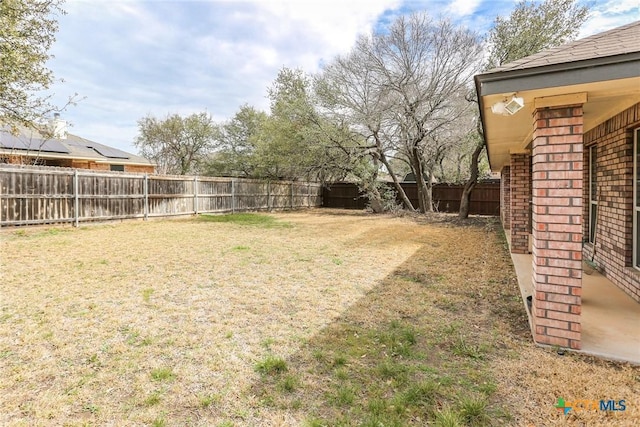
(375, 198)
(428, 191)
(423, 188)
(465, 201)
(405, 200)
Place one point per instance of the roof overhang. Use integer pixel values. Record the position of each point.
(605, 86)
(62, 156)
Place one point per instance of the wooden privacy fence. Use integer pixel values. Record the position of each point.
(45, 195)
(485, 198)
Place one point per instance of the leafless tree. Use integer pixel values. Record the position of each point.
(403, 90)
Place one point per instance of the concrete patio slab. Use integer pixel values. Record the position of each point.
(610, 318)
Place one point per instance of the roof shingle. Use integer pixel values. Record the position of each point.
(618, 41)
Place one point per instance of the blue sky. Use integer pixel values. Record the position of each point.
(126, 59)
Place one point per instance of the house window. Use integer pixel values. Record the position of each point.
(593, 193)
(117, 168)
(636, 200)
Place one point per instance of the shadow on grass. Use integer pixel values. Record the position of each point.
(417, 348)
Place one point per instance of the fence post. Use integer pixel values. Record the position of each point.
(145, 190)
(233, 195)
(291, 193)
(195, 195)
(76, 199)
(269, 196)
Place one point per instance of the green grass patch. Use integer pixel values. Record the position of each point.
(344, 395)
(398, 339)
(271, 365)
(159, 422)
(391, 369)
(463, 347)
(248, 219)
(474, 411)
(162, 374)
(91, 408)
(447, 417)
(146, 294)
(339, 360)
(36, 233)
(420, 394)
(152, 400)
(341, 374)
(315, 422)
(289, 383)
(208, 399)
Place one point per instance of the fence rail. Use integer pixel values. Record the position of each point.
(46, 195)
(485, 198)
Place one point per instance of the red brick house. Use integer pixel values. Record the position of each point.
(54, 146)
(563, 128)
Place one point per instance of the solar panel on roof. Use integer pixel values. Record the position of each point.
(111, 153)
(54, 146)
(12, 142)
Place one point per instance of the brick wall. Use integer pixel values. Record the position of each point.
(16, 160)
(505, 197)
(80, 164)
(29, 160)
(99, 166)
(520, 179)
(614, 231)
(557, 161)
(139, 169)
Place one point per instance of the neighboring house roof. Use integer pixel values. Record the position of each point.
(602, 72)
(31, 143)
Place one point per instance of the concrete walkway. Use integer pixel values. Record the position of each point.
(610, 318)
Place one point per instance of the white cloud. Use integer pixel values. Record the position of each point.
(623, 6)
(463, 7)
(137, 57)
(610, 14)
(132, 58)
(330, 25)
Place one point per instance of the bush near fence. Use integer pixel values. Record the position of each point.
(485, 198)
(47, 195)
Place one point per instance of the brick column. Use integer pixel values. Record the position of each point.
(519, 202)
(557, 225)
(505, 197)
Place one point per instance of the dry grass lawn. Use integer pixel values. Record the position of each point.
(317, 318)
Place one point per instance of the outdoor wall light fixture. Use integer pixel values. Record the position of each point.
(508, 107)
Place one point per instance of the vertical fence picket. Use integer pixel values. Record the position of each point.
(145, 191)
(76, 198)
(195, 195)
(269, 196)
(233, 196)
(291, 194)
